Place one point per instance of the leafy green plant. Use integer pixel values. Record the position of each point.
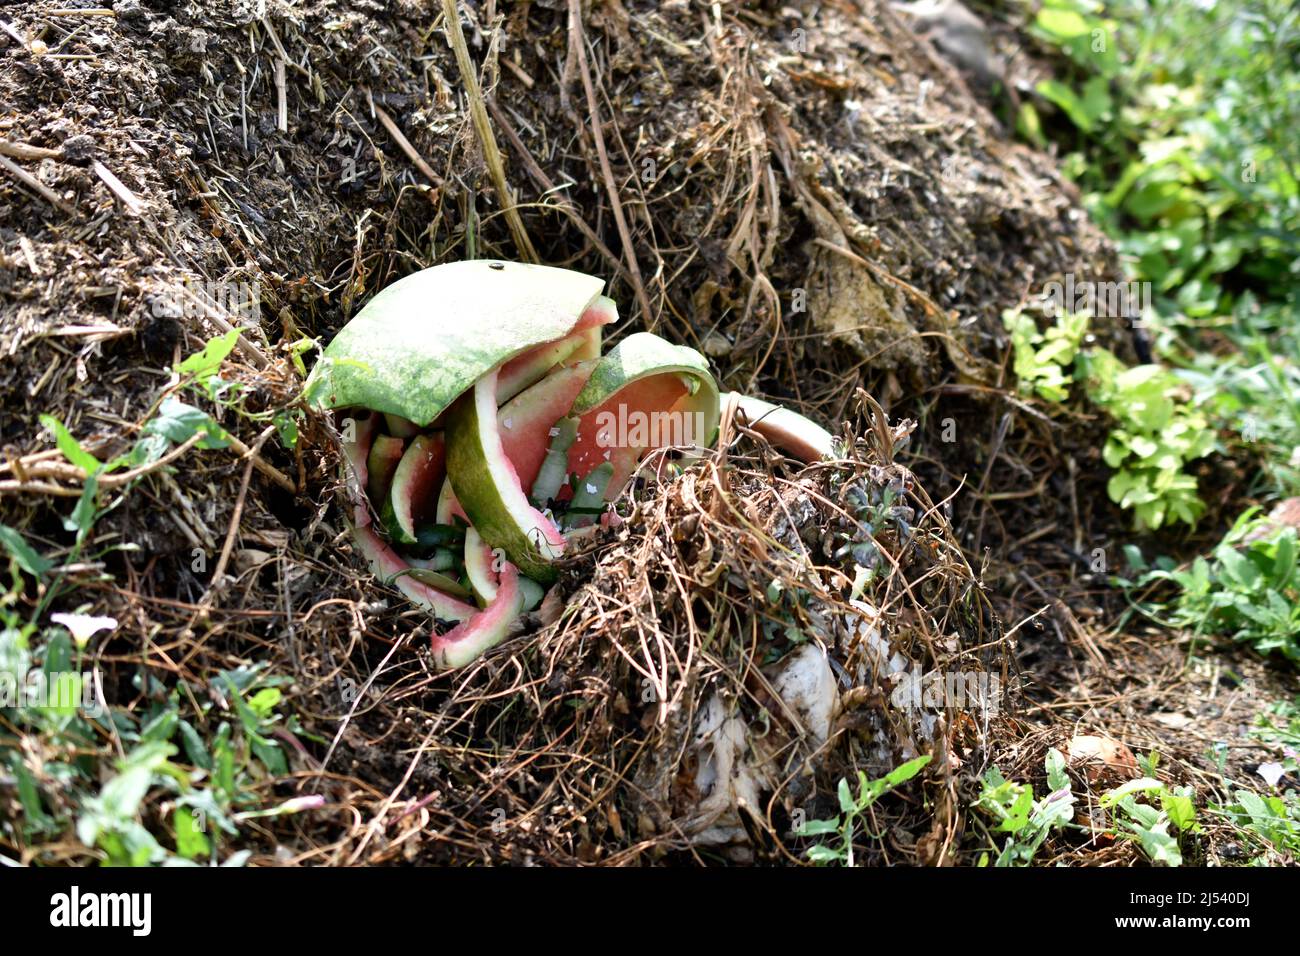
(1027, 821)
(1254, 397)
(1269, 821)
(851, 810)
(1156, 431)
(177, 796)
(1142, 810)
(1246, 590)
(1145, 810)
(200, 375)
(1279, 727)
(1040, 358)
(1156, 434)
(1184, 119)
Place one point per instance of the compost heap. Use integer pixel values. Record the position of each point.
(806, 197)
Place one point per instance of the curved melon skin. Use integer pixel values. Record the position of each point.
(581, 344)
(654, 397)
(448, 507)
(400, 428)
(554, 469)
(386, 565)
(484, 630)
(785, 429)
(525, 422)
(487, 487)
(426, 339)
(438, 581)
(648, 376)
(385, 454)
(356, 454)
(418, 477)
(479, 559)
(446, 347)
(588, 501)
(384, 562)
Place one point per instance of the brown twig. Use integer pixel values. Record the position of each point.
(118, 188)
(578, 48)
(483, 128)
(24, 151)
(405, 145)
(233, 531)
(31, 182)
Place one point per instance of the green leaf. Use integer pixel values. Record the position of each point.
(818, 827)
(1056, 776)
(906, 772)
(1159, 845)
(1061, 24)
(23, 553)
(206, 363)
(1069, 102)
(161, 728)
(264, 702)
(824, 854)
(847, 803)
(286, 424)
(1054, 811)
(1141, 785)
(69, 446)
(1180, 808)
(29, 795)
(83, 515)
(1018, 812)
(195, 751)
(191, 841)
(179, 422)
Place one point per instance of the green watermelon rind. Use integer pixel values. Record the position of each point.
(642, 355)
(488, 490)
(422, 342)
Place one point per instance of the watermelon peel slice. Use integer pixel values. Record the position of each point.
(426, 339)
(481, 374)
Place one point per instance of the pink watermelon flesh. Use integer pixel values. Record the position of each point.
(449, 508)
(381, 463)
(383, 560)
(416, 483)
(588, 347)
(642, 399)
(485, 629)
(386, 565)
(357, 452)
(479, 561)
(602, 311)
(524, 370)
(583, 342)
(479, 558)
(525, 421)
